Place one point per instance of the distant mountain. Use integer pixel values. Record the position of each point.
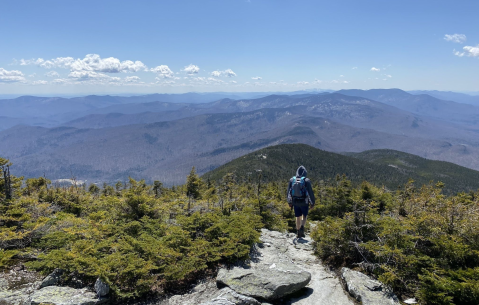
(450, 96)
(423, 170)
(32, 106)
(166, 151)
(55, 111)
(423, 104)
(349, 110)
(381, 167)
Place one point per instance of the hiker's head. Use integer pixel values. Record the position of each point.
(301, 172)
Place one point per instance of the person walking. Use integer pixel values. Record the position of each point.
(301, 198)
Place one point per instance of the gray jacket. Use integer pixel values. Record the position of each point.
(301, 172)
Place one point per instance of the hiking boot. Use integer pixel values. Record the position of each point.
(301, 232)
(298, 233)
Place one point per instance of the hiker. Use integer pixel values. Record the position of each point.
(301, 198)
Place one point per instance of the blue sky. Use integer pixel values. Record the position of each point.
(75, 47)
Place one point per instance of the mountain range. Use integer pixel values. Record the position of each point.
(119, 137)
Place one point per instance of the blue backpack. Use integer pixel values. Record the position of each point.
(298, 189)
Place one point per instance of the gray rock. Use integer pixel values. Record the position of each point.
(266, 281)
(366, 290)
(15, 297)
(52, 279)
(227, 296)
(200, 294)
(3, 284)
(65, 296)
(101, 288)
(324, 287)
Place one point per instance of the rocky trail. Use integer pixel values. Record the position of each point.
(282, 270)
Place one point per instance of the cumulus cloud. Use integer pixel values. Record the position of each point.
(303, 83)
(11, 76)
(375, 69)
(163, 71)
(91, 62)
(191, 69)
(257, 78)
(339, 82)
(227, 73)
(468, 51)
(457, 38)
(317, 81)
(32, 75)
(52, 74)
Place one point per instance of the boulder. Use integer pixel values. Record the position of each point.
(52, 279)
(227, 296)
(266, 281)
(14, 297)
(101, 288)
(367, 290)
(65, 296)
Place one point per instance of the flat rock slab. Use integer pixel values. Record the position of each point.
(367, 290)
(266, 281)
(227, 296)
(65, 296)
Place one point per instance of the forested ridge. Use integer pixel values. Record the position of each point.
(382, 167)
(146, 239)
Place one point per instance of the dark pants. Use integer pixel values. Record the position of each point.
(301, 210)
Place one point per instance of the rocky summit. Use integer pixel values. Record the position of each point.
(282, 270)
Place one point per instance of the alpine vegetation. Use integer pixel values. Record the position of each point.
(141, 239)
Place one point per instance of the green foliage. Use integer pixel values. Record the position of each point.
(417, 241)
(380, 167)
(142, 238)
(193, 184)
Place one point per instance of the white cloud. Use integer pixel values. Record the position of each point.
(233, 81)
(227, 73)
(471, 51)
(191, 69)
(317, 81)
(11, 76)
(457, 38)
(132, 79)
(40, 82)
(163, 71)
(339, 82)
(303, 83)
(375, 69)
(354, 68)
(341, 76)
(32, 75)
(257, 78)
(387, 75)
(88, 75)
(457, 53)
(91, 62)
(52, 74)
